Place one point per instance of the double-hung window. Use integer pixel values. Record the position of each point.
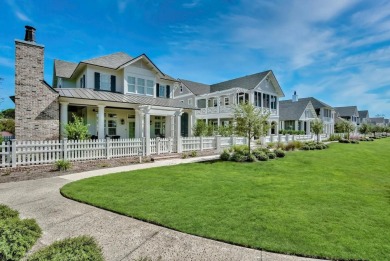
(149, 87)
(161, 90)
(226, 101)
(130, 84)
(140, 86)
(105, 82)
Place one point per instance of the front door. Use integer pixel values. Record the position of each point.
(131, 129)
(184, 125)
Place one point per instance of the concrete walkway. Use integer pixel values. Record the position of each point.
(122, 238)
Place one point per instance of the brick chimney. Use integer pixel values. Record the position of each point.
(36, 103)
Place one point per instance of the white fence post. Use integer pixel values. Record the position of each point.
(280, 137)
(293, 138)
(233, 140)
(108, 147)
(13, 153)
(179, 144)
(201, 143)
(65, 148)
(158, 145)
(218, 142)
(287, 138)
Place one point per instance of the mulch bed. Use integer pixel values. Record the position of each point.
(46, 171)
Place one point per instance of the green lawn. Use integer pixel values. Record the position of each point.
(332, 203)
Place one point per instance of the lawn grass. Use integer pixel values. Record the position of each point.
(332, 203)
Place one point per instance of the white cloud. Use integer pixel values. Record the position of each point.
(18, 13)
(192, 4)
(6, 62)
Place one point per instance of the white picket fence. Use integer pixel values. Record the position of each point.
(21, 153)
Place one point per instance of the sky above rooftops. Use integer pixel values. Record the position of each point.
(335, 50)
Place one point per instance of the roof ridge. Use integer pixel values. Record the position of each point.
(249, 75)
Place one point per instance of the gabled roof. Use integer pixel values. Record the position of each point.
(112, 61)
(317, 104)
(347, 111)
(91, 94)
(246, 82)
(196, 87)
(363, 114)
(377, 120)
(289, 110)
(64, 69)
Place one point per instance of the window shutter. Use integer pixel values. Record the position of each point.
(113, 83)
(157, 90)
(168, 91)
(97, 81)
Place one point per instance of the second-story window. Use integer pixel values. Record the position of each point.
(149, 87)
(273, 102)
(82, 81)
(131, 84)
(140, 86)
(226, 101)
(105, 82)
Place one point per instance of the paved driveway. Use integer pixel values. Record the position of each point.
(122, 238)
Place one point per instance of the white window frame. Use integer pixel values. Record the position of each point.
(105, 82)
(189, 101)
(162, 91)
(148, 85)
(224, 101)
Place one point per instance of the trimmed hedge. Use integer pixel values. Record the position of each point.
(78, 248)
(16, 236)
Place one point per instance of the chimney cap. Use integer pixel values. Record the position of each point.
(29, 27)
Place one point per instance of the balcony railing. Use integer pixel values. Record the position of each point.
(227, 109)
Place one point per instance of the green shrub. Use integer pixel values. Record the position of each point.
(76, 129)
(313, 147)
(6, 212)
(280, 145)
(319, 147)
(194, 153)
(334, 137)
(78, 248)
(279, 153)
(305, 147)
(251, 158)
(242, 149)
(225, 155)
(271, 155)
(355, 141)
(184, 155)
(262, 156)
(17, 237)
(63, 165)
(271, 145)
(239, 157)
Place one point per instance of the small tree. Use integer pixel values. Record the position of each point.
(200, 128)
(317, 126)
(7, 125)
(250, 121)
(376, 129)
(77, 130)
(365, 129)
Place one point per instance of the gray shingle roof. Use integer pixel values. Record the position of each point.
(377, 120)
(363, 114)
(90, 94)
(246, 82)
(346, 111)
(112, 61)
(64, 69)
(317, 104)
(289, 110)
(196, 87)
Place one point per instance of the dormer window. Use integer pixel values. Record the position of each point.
(181, 88)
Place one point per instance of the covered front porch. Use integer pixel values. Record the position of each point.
(133, 121)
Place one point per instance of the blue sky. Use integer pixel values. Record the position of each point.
(335, 50)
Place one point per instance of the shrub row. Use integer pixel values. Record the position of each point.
(349, 141)
(311, 145)
(240, 153)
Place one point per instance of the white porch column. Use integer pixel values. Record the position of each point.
(219, 121)
(101, 121)
(178, 131)
(64, 118)
(147, 132)
(139, 124)
(172, 126)
(296, 126)
(191, 122)
(168, 127)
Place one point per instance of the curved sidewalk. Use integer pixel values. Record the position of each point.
(122, 238)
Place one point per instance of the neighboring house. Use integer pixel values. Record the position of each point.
(387, 122)
(295, 116)
(349, 113)
(117, 95)
(363, 117)
(216, 101)
(378, 121)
